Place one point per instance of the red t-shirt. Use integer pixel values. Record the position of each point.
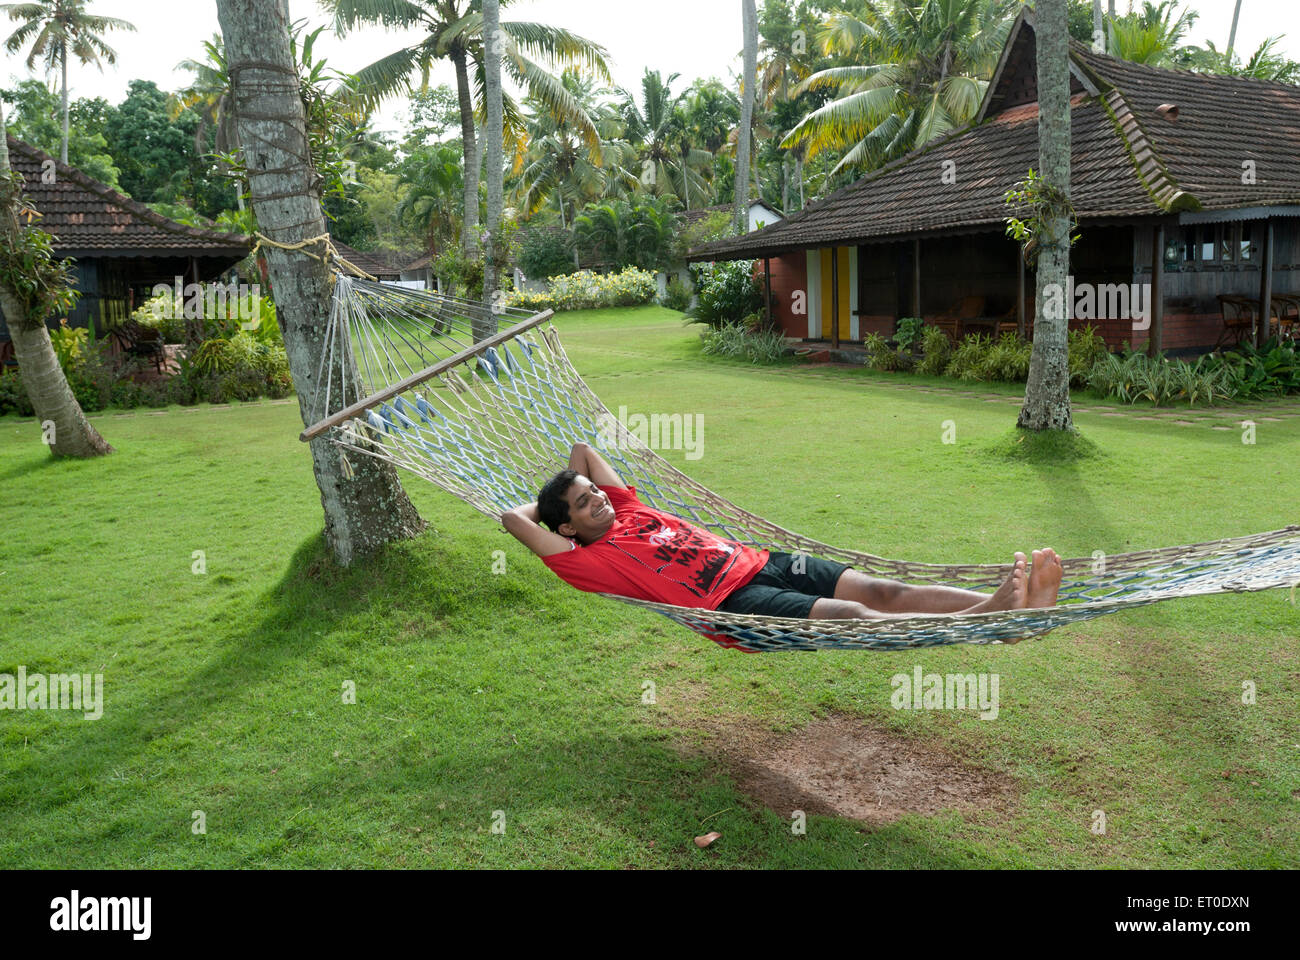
(651, 555)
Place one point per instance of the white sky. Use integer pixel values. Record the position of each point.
(697, 38)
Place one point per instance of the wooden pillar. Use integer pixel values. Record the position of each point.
(1264, 327)
(916, 277)
(1020, 292)
(767, 287)
(835, 298)
(1156, 334)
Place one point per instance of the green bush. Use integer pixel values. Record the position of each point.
(1085, 347)
(585, 290)
(734, 341)
(545, 253)
(882, 356)
(726, 294)
(13, 395)
(1269, 370)
(1007, 359)
(1133, 376)
(967, 361)
(909, 332)
(936, 352)
(678, 295)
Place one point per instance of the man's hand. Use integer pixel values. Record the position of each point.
(592, 465)
(522, 522)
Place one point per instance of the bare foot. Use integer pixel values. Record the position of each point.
(1011, 595)
(1044, 579)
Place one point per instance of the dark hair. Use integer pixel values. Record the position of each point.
(552, 508)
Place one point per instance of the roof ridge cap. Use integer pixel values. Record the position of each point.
(1161, 186)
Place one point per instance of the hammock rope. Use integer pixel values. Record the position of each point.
(435, 385)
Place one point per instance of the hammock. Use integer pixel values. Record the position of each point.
(487, 406)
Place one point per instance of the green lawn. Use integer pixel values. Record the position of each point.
(479, 692)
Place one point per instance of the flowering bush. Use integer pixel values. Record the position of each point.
(585, 290)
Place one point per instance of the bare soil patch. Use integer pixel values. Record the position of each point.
(842, 766)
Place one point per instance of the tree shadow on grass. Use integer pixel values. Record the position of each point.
(377, 797)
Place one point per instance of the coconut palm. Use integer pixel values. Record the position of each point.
(454, 31)
(745, 141)
(561, 166)
(1153, 35)
(921, 70)
(658, 127)
(431, 204)
(32, 286)
(55, 27)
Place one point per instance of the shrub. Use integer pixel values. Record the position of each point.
(13, 395)
(967, 359)
(726, 294)
(1085, 347)
(909, 332)
(677, 296)
(545, 253)
(882, 356)
(585, 290)
(1271, 369)
(733, 341)
(1006, 359)
(1133, 376)
(936, 352)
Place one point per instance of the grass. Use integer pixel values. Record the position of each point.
(479, 691)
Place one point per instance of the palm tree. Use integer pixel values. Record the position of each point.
(42, 284)
(54, 27)
(434, 178)
(745, 134)
(923, 71)
(454, 31)
(492, 144)
(560, 165)
(655, 127)
(1154, 35)
(1047, 393)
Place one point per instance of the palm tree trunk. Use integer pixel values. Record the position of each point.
(1098, 32)
(749, 16)
(1047, 394)
(493, 40)
(1232, 34)
(469, 230)
(63, 151)
(43, 378)
(369, 509)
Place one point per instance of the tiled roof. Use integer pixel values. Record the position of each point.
(379, 265)
(88, 218)
(1127, 159)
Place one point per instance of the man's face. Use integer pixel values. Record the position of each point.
(590, 512)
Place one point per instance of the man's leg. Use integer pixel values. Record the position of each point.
(891, 596)
(1012, 595)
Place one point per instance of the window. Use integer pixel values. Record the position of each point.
(1245, 243)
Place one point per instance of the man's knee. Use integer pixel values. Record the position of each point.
(874, 592)
(827, 609)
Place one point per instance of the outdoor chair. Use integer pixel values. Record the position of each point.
(1239, 318)
(138, 340)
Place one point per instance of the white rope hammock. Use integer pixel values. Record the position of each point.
(487, 406)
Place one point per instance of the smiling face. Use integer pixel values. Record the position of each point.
(590, 512)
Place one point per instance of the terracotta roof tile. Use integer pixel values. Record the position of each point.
(86, 216)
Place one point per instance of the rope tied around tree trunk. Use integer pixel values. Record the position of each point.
(331, 253)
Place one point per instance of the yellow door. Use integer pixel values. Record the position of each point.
(842, 255)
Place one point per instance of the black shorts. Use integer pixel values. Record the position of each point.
(787, 586)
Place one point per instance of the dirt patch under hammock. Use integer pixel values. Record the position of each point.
(845, 767)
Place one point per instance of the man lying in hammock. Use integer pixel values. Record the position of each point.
(607, 541)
